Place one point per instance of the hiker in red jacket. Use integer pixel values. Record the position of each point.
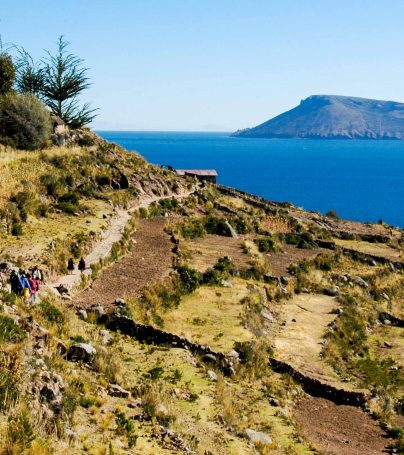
(34, 283)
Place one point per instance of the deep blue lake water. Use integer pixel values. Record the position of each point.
(361, 180)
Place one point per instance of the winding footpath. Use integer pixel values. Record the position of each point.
(111, 235)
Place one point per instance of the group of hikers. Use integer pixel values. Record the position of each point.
(81, 265)
(24, 283)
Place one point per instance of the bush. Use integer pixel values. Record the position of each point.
(24, 121)
(190, 278)
(267, 245)
(192, 229)
(10, 332)
(52, 185)
(16, 229)
(332, 214)
(51, 313)
(8, 389)
(212, 277)
(216, 226)
(7, 73)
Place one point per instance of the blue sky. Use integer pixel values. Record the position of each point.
(217, 65)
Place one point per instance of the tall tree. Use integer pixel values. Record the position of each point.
(30, 74)
(65, 78)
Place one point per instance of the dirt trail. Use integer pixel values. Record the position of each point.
(111, 235)
(150, 260)
(299, 342)
(339, 430)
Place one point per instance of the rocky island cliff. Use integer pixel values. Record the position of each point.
(334, 117)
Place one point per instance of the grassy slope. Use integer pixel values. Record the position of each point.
(210, 417)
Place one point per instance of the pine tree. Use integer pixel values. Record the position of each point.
(64, 79)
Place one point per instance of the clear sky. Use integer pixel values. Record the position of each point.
(217, 65)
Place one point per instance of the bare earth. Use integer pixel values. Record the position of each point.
(339, 430)
(280, 262)
(150, 260)
(206, 251)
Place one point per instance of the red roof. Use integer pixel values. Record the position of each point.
(205, 172)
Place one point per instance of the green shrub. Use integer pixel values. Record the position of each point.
(216, 226)
(224, 264)
(8, 389)
(324, 262)
(7, 73)
(10, 332)
(24, 121)
(190, 278)
(52, 184)
(192, 229)
(16, 229)
(72, 198)
(267, 245)
(20, 430)
(126, 426)
(212, 277)
(332, 214)
(156, 372)
(377, 373)
(51, 313)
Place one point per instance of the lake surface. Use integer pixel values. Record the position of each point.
(361, 180)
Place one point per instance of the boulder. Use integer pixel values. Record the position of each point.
(212, 375)
(361, 282)
(258, 437)
(332, 292)
(82, 313)
(106, 337)
(267, 316)
(209, 358)
(116, 390)
(81, 352)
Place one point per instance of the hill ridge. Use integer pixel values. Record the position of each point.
(334, 117)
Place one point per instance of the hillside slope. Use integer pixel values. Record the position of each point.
(334, 117)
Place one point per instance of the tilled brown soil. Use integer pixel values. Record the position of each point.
(339, 430)
(150, 260)
(280, 262)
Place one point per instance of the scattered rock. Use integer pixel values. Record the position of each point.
(106, 337)
(62, 289)
(385, 296)
(361, 282)
(274, 402)
(258, 437)
(81, 352)
(284, 280)
(233, 354)
(61, 348)
(116, 390)
(387, 321)
(82, 314)
(212, 375)
(332, 292)
(98, 310)
(226, 284)
(268, 316)
(386, 344)
(209, 358)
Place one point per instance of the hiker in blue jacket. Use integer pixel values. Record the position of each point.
(26, 288)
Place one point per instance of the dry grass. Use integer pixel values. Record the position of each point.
(377, 249)
(21, 170)
(211, 316)
(276, 225)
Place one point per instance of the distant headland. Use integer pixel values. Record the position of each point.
(334, 117)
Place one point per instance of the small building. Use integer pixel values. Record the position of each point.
(204, 175)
